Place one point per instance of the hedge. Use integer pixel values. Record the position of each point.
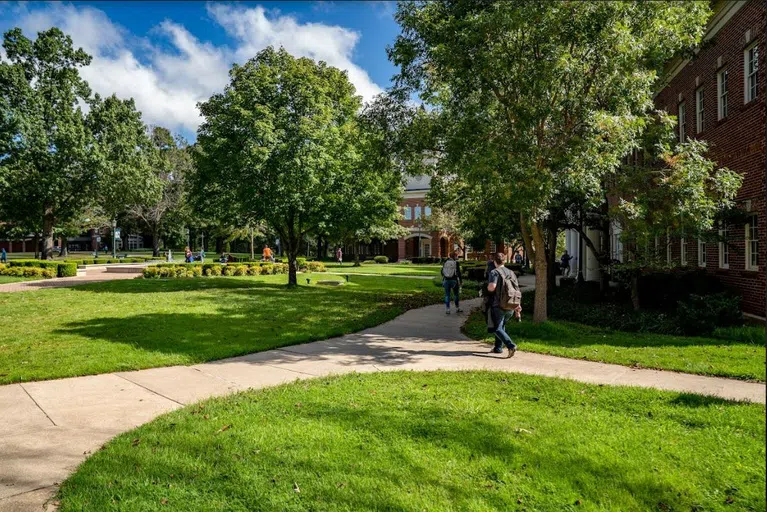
(27, 272)
(61, 268)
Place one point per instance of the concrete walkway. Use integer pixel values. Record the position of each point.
(48, 428)
(92, 275)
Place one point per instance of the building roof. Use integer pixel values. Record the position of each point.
(415, 183)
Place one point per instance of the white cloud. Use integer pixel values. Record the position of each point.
(168, 80)
(254, 31)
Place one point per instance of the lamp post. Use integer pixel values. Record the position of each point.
(114, 227)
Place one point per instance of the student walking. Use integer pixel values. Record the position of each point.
(503, 301)
(564, 263)
(451, 281)
(3, 256)
(339, 256)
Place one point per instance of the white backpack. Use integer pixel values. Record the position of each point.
(450, 269)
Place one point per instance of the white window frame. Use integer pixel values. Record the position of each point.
(722, 87)
(724, 247)
(408, 212)
(752, 243)
(417, 212)
(700, 110)
(427, 211)
(668, 246)
(751, 73)
(681, 121)
(683, 251)
(701, 253)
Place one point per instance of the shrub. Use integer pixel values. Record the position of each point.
(151, 272)
(301, 263)
(240, 270)
(61, 268)
(316, 266)
(702, 314)
(228, 270)
(196, 271)
(381, 259)
(267, 268)
(281, 268)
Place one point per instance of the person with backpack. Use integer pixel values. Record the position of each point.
(451, 281)
(504, 300)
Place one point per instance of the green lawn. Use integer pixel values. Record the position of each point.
(133, 324)
(735, 353)
(391, 269)
(464, 441)
(14, 279)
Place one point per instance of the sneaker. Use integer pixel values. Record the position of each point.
(512, 351)
(496, 351)
(447, 311)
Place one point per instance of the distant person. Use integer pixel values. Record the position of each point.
(106, 248)
(201, 255)
(451, 281)
(339, 256)
(502, 284)
(564, 263)
(267, 254)
(222, 259)
(169, 257)
(3, 256)
(188, 258)
(518, 259)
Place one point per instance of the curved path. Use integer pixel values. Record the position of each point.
(47, 428)
(92, 275)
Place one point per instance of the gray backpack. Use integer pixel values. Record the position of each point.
(450, 269)
(510, 293)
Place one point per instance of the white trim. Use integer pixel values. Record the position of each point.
(701, 253)
(746, 88)
(683, 251)
(414, 194)
(722, 98)
(724, 233)
(681, 121)
(700, 109)
(416, 235)
(715, 24)
(749, 251)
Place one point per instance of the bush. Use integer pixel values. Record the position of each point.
(254, 270)
(240, 270)
(301, 263)
(381, 259)
(267, 268)
(316, 266)
(702, 314)
(60, 268)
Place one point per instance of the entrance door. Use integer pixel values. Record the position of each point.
(425, 247)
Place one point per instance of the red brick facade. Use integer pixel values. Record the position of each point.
(736, 141)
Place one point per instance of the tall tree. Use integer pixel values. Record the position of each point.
(278, 145)
(171, 164)
(55, 159)
(547, 95)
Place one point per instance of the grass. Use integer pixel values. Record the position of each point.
(736, 353)
(391, 269)
(15, 279)
(134, 324)
(464, 441)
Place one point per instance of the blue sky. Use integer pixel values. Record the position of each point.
(170, 55)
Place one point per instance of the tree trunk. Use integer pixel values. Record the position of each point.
(155, 243)
(551, 255)
(36, 243)
(64, 250)
(540, 313)
(319, 248)
(48, 222)
(292, 249)
(252, 248)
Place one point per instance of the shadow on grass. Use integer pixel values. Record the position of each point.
(561, 333)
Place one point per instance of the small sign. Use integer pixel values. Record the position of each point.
(117, 233)
(98, 239)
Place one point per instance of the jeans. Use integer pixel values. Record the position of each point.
(450, 284)
(501, 337)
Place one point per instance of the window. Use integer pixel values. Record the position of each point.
(752, 243)
(427, 211)
(681, 121)
(408, 213)
(683, 251)
(751, 72)
(700, 111)
(722, 88)
(701, 253)
(724, 247)
(417, 212)
(668, 246)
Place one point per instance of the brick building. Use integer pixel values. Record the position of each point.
(718, 96)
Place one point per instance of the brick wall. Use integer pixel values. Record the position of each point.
(736, 141)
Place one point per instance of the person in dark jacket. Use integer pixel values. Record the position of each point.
(497, 317)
